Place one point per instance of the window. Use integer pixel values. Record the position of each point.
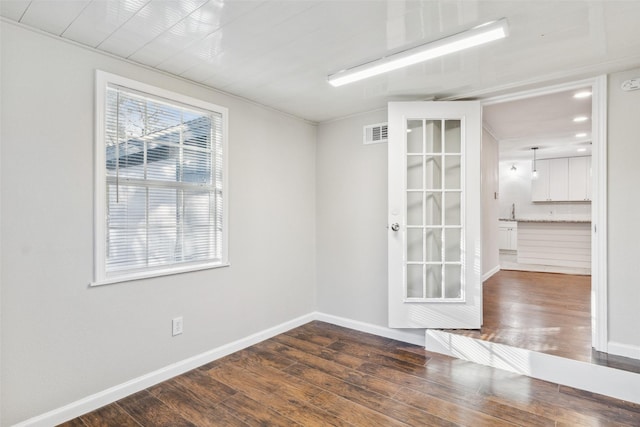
(161, 184)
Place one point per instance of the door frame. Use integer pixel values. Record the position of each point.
(599, 264)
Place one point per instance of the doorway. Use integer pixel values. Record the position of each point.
(595, 212)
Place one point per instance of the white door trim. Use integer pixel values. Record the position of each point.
(599, 265)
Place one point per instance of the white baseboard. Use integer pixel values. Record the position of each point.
(110, 395)
(598, 379)
(625, 350)
(490, 273)
(405, 335)
(525, 364)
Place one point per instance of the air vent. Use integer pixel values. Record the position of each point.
(375, 134)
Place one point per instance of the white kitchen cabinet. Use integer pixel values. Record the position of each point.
(580, 179)
(552, 184)
(508, 235)
(540, 184)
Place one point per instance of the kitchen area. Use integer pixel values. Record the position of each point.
(553, 234)
(544, 182)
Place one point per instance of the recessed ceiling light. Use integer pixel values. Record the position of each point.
(579, 119)
(581, 135)
(581, 150)
(582, 94)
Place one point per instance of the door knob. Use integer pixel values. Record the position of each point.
(395, 226)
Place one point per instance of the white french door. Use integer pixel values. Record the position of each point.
(434, 215)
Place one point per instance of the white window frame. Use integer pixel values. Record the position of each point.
(101, 277)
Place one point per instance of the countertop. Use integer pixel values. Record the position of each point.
(575, 221)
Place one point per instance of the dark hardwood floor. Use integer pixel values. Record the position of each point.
(545, 312)
(320, 374)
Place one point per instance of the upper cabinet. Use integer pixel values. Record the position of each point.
(562, 180)
(580, 179)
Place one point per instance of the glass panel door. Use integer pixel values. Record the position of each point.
(434, 210)
(434, 215)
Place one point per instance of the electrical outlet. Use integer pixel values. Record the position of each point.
(176, 326)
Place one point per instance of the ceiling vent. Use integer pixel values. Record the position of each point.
(375, 134)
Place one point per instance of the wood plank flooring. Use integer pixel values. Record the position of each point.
(324, 375)
(545, 312)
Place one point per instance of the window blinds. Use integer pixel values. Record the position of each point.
(163, 183)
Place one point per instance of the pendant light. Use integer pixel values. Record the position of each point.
(534, 173)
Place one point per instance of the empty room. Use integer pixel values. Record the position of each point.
(319, 212)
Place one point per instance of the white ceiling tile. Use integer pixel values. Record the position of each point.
(242, 34)
(101, 18)
(197, 26)
(53, 16)
(13, 9)
(148, 23)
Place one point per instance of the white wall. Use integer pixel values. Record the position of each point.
(490, 205)
(515, 187)
(61, 340)
(351, 221)
(623, 208)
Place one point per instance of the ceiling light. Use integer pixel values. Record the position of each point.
(513, 169)
(474, 37)
(534, 173)
(581, 135)
(582, 94)
(581, 150)
(580, 119)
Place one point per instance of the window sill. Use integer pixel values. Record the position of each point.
(156, 273)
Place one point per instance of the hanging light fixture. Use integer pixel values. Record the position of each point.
(534, 173)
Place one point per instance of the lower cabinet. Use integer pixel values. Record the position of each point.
(508, 235)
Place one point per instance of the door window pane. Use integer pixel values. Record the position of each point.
(414, 173)
(453, 136)
(414, 281)
(433, 175)
(453, 244)
(414, 208)
(433, 244)
(453, 281)
(452, 173)
(414, 245)
(414, 136)
(433, 136)
(452, 208)
(433, 281)
(433, 208)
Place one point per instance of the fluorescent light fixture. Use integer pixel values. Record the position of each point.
(582, 94)
(476, 36)
(581, 135)
(580, 119)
